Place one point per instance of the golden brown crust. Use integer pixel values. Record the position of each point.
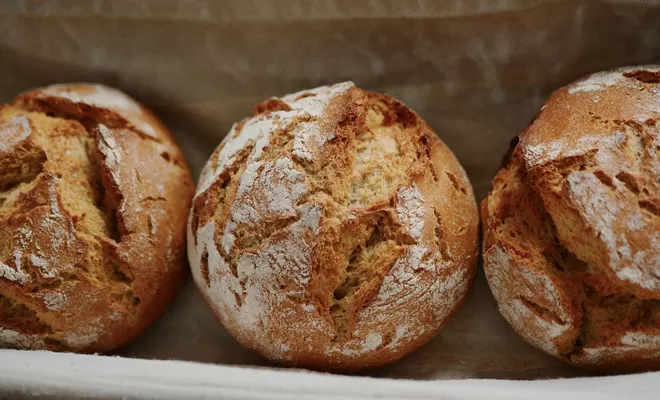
(333, 230)
(572, 236)
(92, 216)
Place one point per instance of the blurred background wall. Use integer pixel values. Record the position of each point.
(476, 70)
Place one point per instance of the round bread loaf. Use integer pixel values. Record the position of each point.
(333, 230)
(94, 194)
(572, 224)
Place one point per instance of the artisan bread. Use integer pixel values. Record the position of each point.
(94, 194)
(333, 230)
(572, 224)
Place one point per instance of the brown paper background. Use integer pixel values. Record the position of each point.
(476, 70)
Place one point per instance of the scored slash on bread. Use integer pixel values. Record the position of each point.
(572, 224)
(93, 200)
(333, 230)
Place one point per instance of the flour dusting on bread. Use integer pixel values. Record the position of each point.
(14, 275)
(410, 210)
(103, 97)
(107, 145)
(13, 131)
(315, 101)
(508, 292)
(596, 82)
(267, 189)
(53, 300)
(97, 95)
(257, 131)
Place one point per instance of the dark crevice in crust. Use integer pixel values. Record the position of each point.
(109, 197)
(337, 313)
(389, 336)
(18, 317)
(540, 311)
(203, 208)
(577, 349)
(424, 142)
(270, 105)
(233, 269)
(644, 76)
(513, 146)
(304, 95)
(562, 259)
(629, 181)
(239, 299)
(396, 112)
(54, 344)
(178, 162)
(624, 310)
(204, 267)
(351, 283)
(440, 236)
(131, 299)
(90, 116)
(581, 162)
(425, 151)
(38, 284)
(456, 183)
(115, 273)
(604, 178)
(651, 206)
(368, 260)
(247, 239)
(358, 276)
(127, 297)
(109, 210)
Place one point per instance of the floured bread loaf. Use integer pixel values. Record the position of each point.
(333, 230)
(572, 224)
(94, 194)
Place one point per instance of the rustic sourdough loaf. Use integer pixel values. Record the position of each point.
(572, 224)
(94, 194)
(333, 230)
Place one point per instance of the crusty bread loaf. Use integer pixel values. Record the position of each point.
(572, 224)
(333, 230)
(94, 194)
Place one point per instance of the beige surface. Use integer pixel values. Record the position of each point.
(476, 70)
